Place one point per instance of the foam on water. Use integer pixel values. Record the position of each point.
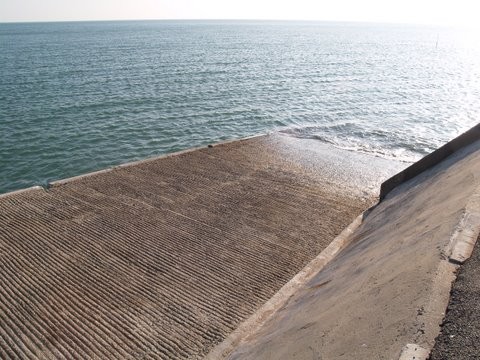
(382, 142)
(78, 97)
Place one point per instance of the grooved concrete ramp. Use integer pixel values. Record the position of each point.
(164, 258)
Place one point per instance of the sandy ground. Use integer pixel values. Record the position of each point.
(460, 336)
(163, 259)
(389, 287)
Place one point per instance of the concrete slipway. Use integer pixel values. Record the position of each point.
(165, 258)
(227, 252)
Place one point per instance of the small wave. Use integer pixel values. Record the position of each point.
(353, 137)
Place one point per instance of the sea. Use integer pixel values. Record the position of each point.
(81, 96)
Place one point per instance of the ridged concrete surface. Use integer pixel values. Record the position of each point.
(163, 259)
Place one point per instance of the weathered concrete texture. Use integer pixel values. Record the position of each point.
(163, 259)
(460, 335)
(389, 287)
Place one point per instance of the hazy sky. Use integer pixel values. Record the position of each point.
(458, 12)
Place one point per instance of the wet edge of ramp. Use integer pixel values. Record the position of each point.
(164, 258)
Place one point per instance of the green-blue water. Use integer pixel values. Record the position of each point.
(77, 97)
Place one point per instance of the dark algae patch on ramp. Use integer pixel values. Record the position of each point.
(460, 335)
(163, 259)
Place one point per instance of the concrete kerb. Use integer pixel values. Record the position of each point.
(260, 317)
(457, 251)
(465, 236)
(186, 151)
(16, 192)
(79, 177)
(134, 163)
(433, 313)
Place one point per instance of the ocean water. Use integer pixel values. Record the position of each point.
(77, 97)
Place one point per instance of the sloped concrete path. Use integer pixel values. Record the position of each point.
(164, 258)
(387, 292)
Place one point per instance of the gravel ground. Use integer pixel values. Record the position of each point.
(460, 336)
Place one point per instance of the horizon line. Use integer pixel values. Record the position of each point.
(231, 19)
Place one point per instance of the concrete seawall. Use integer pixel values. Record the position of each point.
(430, 160)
